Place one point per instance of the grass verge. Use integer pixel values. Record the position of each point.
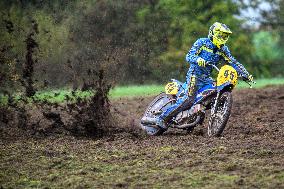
(59, 96)
(149, 90)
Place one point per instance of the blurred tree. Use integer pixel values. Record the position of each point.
(133, 41)
(280, 27)
(182, 23)
(271, 19)
(105, 37)
(52, 19)
(267, 53)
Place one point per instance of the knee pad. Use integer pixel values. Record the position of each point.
(192, 86)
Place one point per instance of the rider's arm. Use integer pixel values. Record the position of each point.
(226, 54)
(192, 54)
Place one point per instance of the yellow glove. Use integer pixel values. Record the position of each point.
(201, 62)
(250, 78)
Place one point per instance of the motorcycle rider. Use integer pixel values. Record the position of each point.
(204, 50)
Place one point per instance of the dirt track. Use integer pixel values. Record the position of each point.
(249, 155)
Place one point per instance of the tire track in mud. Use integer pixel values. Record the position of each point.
(252, 143)
(255, 112)
(250, 154)
(255, 128)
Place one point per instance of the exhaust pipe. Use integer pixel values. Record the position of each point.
(149, 122)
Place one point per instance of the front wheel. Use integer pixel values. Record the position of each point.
(218, 121)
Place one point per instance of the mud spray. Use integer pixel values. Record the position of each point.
(28, 116)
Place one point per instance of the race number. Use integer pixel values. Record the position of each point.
(227, 74)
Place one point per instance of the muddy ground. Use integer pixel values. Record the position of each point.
(249, 155)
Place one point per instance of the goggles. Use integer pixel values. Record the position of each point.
(223, 35)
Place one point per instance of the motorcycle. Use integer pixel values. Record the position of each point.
(216, 96)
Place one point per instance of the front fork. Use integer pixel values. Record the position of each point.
(214, 109)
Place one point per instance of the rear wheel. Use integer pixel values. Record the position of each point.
(218, 121)
(156, 107)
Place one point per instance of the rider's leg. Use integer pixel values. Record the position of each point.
(182, 103)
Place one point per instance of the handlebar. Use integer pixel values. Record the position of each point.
(249, 82)
(243, 78)
(214, 66)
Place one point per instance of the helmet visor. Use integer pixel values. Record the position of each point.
(223, 36)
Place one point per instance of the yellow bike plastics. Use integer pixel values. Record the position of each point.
(171, 88)
(227, 74)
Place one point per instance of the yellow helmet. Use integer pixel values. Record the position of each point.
(219, 34)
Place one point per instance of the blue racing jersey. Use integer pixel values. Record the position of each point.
(205, 49)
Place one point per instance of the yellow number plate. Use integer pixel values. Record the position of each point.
(171, 88)
(227, 74)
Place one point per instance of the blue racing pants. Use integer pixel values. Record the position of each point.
(186, 95)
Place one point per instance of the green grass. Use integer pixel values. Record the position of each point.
(149, 90)
(61, 95)
(58, 96)
(52, 96)
(136, 90)
(262, 83)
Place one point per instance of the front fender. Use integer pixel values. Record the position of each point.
(227, 85)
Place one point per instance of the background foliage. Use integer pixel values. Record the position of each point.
(131, 42)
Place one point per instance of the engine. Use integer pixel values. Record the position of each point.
(189, 116)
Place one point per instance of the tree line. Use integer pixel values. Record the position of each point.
(131, 42)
